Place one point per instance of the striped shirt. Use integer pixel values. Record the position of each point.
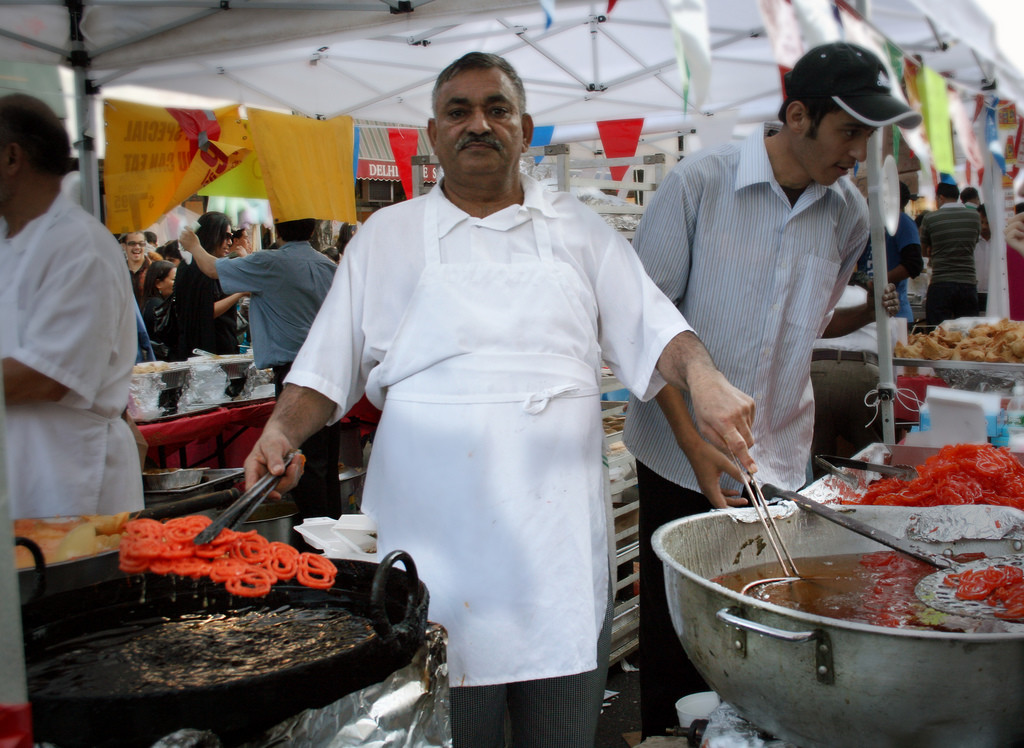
(952, 232)
(757, 279)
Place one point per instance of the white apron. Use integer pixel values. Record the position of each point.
(486, 465)
(62, 460)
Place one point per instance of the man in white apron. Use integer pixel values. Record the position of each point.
(67, 333)
(477, 318)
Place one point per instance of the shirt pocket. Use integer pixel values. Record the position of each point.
(811, 290)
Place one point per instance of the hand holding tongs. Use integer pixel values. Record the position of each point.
(240, 510)
(767, 520)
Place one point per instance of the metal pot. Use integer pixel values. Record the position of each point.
(817, 681)
(274, 520)
(172, 479)
(256, 688)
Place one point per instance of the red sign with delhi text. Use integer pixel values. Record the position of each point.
(388, 170)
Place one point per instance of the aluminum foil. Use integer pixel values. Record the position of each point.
(206, 386)
(994, 380)
(727, 729)
(946, 524)
(408, 709)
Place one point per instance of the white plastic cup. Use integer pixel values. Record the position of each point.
(696, 706)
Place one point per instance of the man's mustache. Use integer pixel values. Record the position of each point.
(487, 140)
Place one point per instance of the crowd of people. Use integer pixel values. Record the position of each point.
(477, 318)
(182, 310)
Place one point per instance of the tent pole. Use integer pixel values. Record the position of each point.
(13, 689)
(876, 201)
(886, 381)
(88, 166)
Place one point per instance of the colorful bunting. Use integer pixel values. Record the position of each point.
(404, 141)
(541, 137)
(992, 135)
(935, 107)
(355, 152)
(962, 128)
(784, 33)
(619, 139)
(689, 21)
(548, 6)
(817, 21)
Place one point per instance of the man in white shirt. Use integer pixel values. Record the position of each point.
(754, 242)
(477, 317)
(68, 338)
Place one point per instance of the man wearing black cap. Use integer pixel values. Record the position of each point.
(754, 242)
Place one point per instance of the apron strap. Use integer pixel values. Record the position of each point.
(536, 402)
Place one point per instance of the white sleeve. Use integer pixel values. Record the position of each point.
(636, 319)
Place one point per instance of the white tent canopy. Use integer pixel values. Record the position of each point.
(325, 57)
(377, 59)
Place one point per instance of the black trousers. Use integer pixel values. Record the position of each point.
(666, 673)
(947, 300)
(318, 492)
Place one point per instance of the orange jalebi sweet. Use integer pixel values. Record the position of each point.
(246, 563)
(958, 474)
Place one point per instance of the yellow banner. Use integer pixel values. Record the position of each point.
(159, 157)
(931, 87)
(306, 164)
(245, 180)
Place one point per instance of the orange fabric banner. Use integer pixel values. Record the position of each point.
(157, 158)
(306, 165)
(619, 138)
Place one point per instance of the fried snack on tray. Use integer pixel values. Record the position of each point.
(1001, 343)
(65, 538)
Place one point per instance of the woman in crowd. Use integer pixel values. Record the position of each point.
(170, 252)
(206, 316)
(156, 294)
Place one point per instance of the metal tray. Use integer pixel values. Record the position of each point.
(977, 376)
(213, 479)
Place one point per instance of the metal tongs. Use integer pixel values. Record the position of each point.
(837, 466)
(246, 504)
(767, 521)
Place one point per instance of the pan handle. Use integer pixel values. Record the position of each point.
(39, 587)
(382, 623)
(181, 507)
(824, 670)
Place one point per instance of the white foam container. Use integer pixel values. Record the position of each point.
(352, 536)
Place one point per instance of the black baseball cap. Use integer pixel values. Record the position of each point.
(855, 79)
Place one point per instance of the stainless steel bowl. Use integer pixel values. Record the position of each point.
(171, 479)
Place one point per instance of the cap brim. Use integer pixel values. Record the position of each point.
(880, 110)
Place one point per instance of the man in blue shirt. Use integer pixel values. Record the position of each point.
(902, 255)
(287, 285)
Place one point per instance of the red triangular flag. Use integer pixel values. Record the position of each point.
(619, 138)
(404, 141)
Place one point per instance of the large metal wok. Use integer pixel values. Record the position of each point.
(817, 681)
(131, 690)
